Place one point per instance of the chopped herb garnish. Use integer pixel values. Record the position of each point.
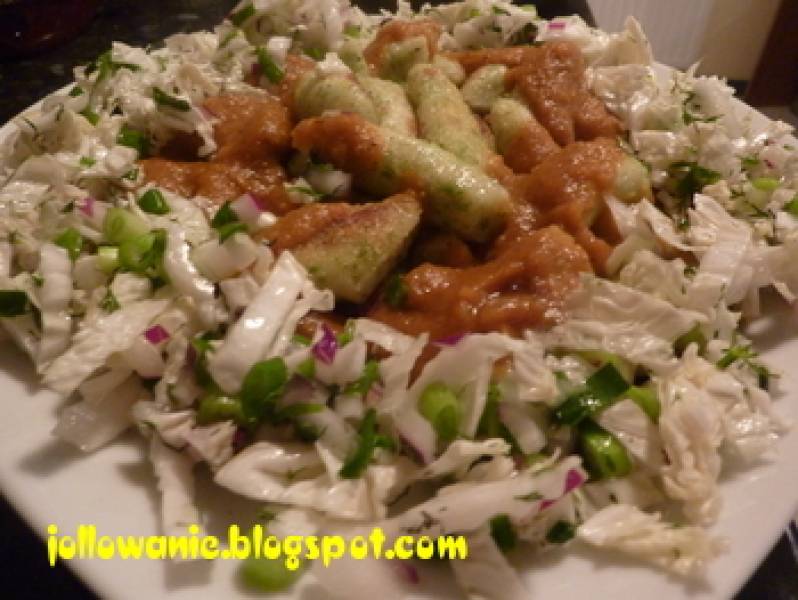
(792, 206)
(560, 532)
(164, 99)
(37, 279)
(734, 354)
(87, 161)
(226, 222)
(91, 116)
(396, 291)
(238, 18)
(14, 303)
(347, 334)
(765, 184)
(263, 385)
(498, 10)
(131, 175)
(689, 178)
(359, 460)
(370, 375)
(316, 53)
(503, 533)
(352, 30)
(109, 303)
(300, 339)
(695, 335)
(307, 368)
(71, 241)
(750, 162)
(76, 91)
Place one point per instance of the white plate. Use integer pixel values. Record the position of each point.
(114, 489)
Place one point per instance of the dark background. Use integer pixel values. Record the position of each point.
(24, 572)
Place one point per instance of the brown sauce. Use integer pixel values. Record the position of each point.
(551, 81)
(253, 134)
(522, 288)
(559, 228)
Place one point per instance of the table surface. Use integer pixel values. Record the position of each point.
(24, 572)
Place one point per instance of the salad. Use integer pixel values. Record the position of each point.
(454, 271)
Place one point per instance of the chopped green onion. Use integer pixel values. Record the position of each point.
(307, 368)
(346, 335)
(263, 384)
(215, 407)
(13, 303)
(38, 280)
(503, 533)
(224, 216)
(91, 116)
(315, 53)
(268, 575)
(734, 354)
(121, 225)
(133, 138)
(71, 241)
(396, 291)
(108, 259)
(76, 91)
(351, 30)
(109, 303)
(153, 202)
(300, 339)
(792, 206)
(165, 99)
(604, 455)
(357, 462)
(560, 532)
(131, 175)
(201, 346)
(292, 411)
(144, 254)
(765, 184)
(694, 336)
(440, 406)
(370, 375)
(87, 161)
(268, 67)
(238, 18)
(601, 390)
(647, 400)
(749, 162)
(229, 230)
(490, 426)
(600, 357)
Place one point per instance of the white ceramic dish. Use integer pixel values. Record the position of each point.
(114, 489)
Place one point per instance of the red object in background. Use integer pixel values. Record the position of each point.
(29, 26)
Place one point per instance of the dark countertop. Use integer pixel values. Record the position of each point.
(24, 572)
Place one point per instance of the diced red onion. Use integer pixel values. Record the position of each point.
(557, 25)
(407, 572)
(326, 347)
(240, 439)
(450, 340)
(156, 334)
(86, 206)
(374, 395)
(247, 207)
(769, 164)
(573, 480)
